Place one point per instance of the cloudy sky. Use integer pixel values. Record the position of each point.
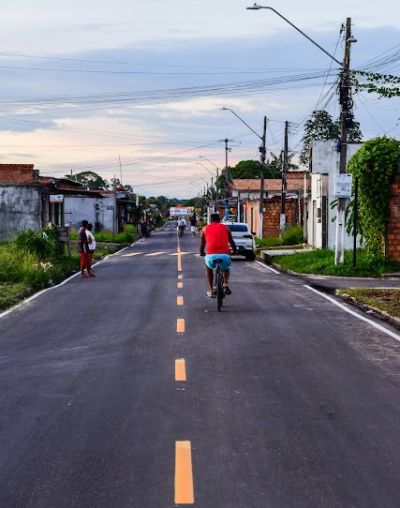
(91, 82)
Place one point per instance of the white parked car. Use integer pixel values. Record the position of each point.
(244, 239)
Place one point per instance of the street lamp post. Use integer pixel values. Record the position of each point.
(345, 117)
(262, 167)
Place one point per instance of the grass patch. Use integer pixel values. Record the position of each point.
(291, 236)
(271, 241)
(33, 261)
(321, 262)
(387, 300)
(11, 294)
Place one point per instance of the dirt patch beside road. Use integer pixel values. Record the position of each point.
(385, 302)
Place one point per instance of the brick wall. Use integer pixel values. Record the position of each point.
(272, 215)
(18, 174)
(393, 232)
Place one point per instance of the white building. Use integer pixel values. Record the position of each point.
(320, 215)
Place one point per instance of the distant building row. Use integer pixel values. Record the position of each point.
(28, 200)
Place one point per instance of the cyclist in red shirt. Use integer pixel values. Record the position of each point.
(217, 238)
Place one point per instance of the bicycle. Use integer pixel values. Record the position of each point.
(219, 284)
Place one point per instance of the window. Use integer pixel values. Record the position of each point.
(238, 227)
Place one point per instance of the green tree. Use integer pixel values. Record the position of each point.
(90, 180)
(322, 126)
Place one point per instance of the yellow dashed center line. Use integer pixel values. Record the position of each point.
(180, 285)
(179, 300)
(180, 325)
(184, 493)
(180, 369)
(180, 276)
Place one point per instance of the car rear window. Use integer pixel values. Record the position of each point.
(238, 227)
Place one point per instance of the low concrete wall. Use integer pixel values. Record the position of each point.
(20, 208)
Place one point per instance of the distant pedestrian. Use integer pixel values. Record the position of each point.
(143, 229)
(83, 248)
(92, 246)
(193, 226)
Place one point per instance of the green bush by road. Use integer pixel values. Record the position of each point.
(35, 260)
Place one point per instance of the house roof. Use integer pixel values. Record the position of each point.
(270, 184)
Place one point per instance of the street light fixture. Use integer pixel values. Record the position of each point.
(256, 7)
(262, 166)
(345, 102)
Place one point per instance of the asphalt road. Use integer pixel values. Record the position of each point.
(288, 402)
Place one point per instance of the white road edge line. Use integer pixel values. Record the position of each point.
(268, 267)
(36, 295)
(355, 314)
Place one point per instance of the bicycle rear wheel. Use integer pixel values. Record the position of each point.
(220, 290)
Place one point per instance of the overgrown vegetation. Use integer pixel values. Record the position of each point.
(321, 262)
(375, 165)
(34, 260)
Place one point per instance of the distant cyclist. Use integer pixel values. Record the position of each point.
(181, 226)
(217, 238)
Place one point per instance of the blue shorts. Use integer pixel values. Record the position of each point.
(211, 259)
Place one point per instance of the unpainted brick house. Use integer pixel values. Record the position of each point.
(247, 193)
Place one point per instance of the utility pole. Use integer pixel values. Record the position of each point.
(263, 151)
(227, 149)
(346, 119)
(284, 175)
(120, 169)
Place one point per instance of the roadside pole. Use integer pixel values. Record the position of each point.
(284, 175)
(345, 121)
(263, 151)
(227, 149)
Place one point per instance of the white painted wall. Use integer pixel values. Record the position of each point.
(325, 159)
(102, 210)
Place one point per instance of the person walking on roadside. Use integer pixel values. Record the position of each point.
(83, 248)
(92, 246)
(193, 225)
(143, 229)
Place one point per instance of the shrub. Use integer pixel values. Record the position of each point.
(43, 243)
(293, 235)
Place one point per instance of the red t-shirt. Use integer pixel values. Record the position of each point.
(216, 238)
